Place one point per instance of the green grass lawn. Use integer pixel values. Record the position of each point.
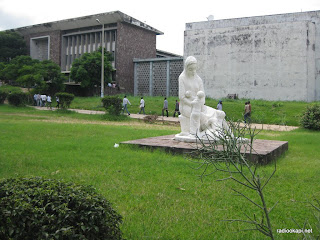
(267, 112)
(159, 195)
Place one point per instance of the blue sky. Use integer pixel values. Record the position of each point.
(168, 16)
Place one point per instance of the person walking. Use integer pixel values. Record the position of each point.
(165, 107)
(247, 113)
(43, 100)
(142, 106)
(49, 102)
(219, 106)
(125, 103)
(176, 109)
(58, 102)
(39, 102)
(35, 96)
(249, 109)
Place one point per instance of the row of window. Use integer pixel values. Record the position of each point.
(74, 46)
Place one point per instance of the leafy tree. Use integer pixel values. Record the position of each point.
(2, 66)
(30, 76)
(87, 69)
(44, 76)
(51, 73)
(11, 69)
(11, 45)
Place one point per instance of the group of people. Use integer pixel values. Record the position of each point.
(166, 105)
(247, 109)
(113, 85)
(42, 100)
(126, 101)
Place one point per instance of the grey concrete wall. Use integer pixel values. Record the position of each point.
(270, 57)
(39, 48)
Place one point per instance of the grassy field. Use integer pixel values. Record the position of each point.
(159, 195)
(267, 112)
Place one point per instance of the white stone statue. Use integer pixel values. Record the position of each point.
(196, 120)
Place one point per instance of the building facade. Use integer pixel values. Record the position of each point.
(63, 41)
(275, 57)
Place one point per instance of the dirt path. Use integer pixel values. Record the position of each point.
(65, 119)
(176, 120)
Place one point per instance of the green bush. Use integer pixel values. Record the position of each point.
(3, 96)
(17, 99)
(113, 104)
(65, 99)
(37, 208)
(311, 117)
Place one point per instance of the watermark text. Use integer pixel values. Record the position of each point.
(292, 230)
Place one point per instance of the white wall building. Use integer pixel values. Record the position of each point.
(275, 57)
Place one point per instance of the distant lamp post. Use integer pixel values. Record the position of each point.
(102, 59)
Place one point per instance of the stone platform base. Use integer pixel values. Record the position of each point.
(264, 152)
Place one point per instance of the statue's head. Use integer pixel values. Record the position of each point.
(200, 94)
(190, 65)
(188, 94)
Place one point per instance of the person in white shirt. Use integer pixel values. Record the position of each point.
(43, 100)
(142, 106)
(49, 102)
(125, 103)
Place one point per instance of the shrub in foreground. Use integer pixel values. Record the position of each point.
(36, 208)
(65, 99)
(311, 117)
(17, 99)
(3, 96)
(113, 104)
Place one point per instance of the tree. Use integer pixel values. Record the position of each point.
(11, 45)
(52, 75)
(44, 76)
(87, 69)
(30, 76)
(10, 70)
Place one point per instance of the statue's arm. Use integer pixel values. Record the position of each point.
(182, 89)
(200, 84)
(182, 93)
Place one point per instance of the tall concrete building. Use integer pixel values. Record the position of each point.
(275, 57)
(63, 41)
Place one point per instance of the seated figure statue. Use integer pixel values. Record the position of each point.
(196, 119)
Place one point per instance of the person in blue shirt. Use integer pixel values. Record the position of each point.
(219, 106)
